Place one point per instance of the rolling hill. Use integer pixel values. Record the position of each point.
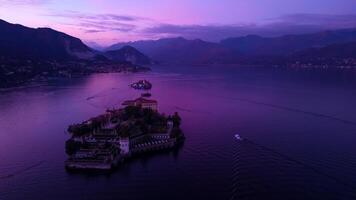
(129, 54)
(17, 41)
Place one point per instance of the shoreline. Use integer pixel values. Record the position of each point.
(112, 167)
(37, 81)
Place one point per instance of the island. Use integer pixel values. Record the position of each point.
(141, 85)
(106, 141)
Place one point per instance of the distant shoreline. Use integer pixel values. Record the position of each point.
(40, 78)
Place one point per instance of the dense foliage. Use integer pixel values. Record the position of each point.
(130, 120)
(177, 133)
(142, 120)
(79, 129)
(72, 146)
(176, 119)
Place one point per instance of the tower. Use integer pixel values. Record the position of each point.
(124, 145)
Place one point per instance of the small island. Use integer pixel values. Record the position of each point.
(141, 85)
(105, 141)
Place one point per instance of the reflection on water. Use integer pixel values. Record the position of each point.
(299, 130)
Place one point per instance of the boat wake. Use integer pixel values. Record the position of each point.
(251, 154)
(103, 93)
(21, 170)
(291, 109)
(191, 111)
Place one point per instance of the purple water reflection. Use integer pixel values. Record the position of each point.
(297, 146)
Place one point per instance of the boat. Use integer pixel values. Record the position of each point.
(237, 136)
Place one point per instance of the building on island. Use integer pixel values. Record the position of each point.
(124, 145)
(142, 102)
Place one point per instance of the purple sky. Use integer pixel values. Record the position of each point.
(109, 21)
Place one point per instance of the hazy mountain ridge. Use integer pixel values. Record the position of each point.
(129, 54)
(288, 44)
(182, 51)
(343, 51)
(28, 52)
(251, 49)
(343, 54)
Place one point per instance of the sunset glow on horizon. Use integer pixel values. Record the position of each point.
(109, 21)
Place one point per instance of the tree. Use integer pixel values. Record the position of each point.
(72, 146)
(176, 132)
(133, 112)
(79, 129)
(176, 119)
(124, 131)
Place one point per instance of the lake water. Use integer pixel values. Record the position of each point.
(299, 131)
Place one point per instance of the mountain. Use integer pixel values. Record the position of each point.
(331, 55)
(94, 45)
(35, 54)
(339, 51)
(251, 49)
(129, 54)
(288, 44)
(17, 41)
(182, 51)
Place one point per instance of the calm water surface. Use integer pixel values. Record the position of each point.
(299, 130)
